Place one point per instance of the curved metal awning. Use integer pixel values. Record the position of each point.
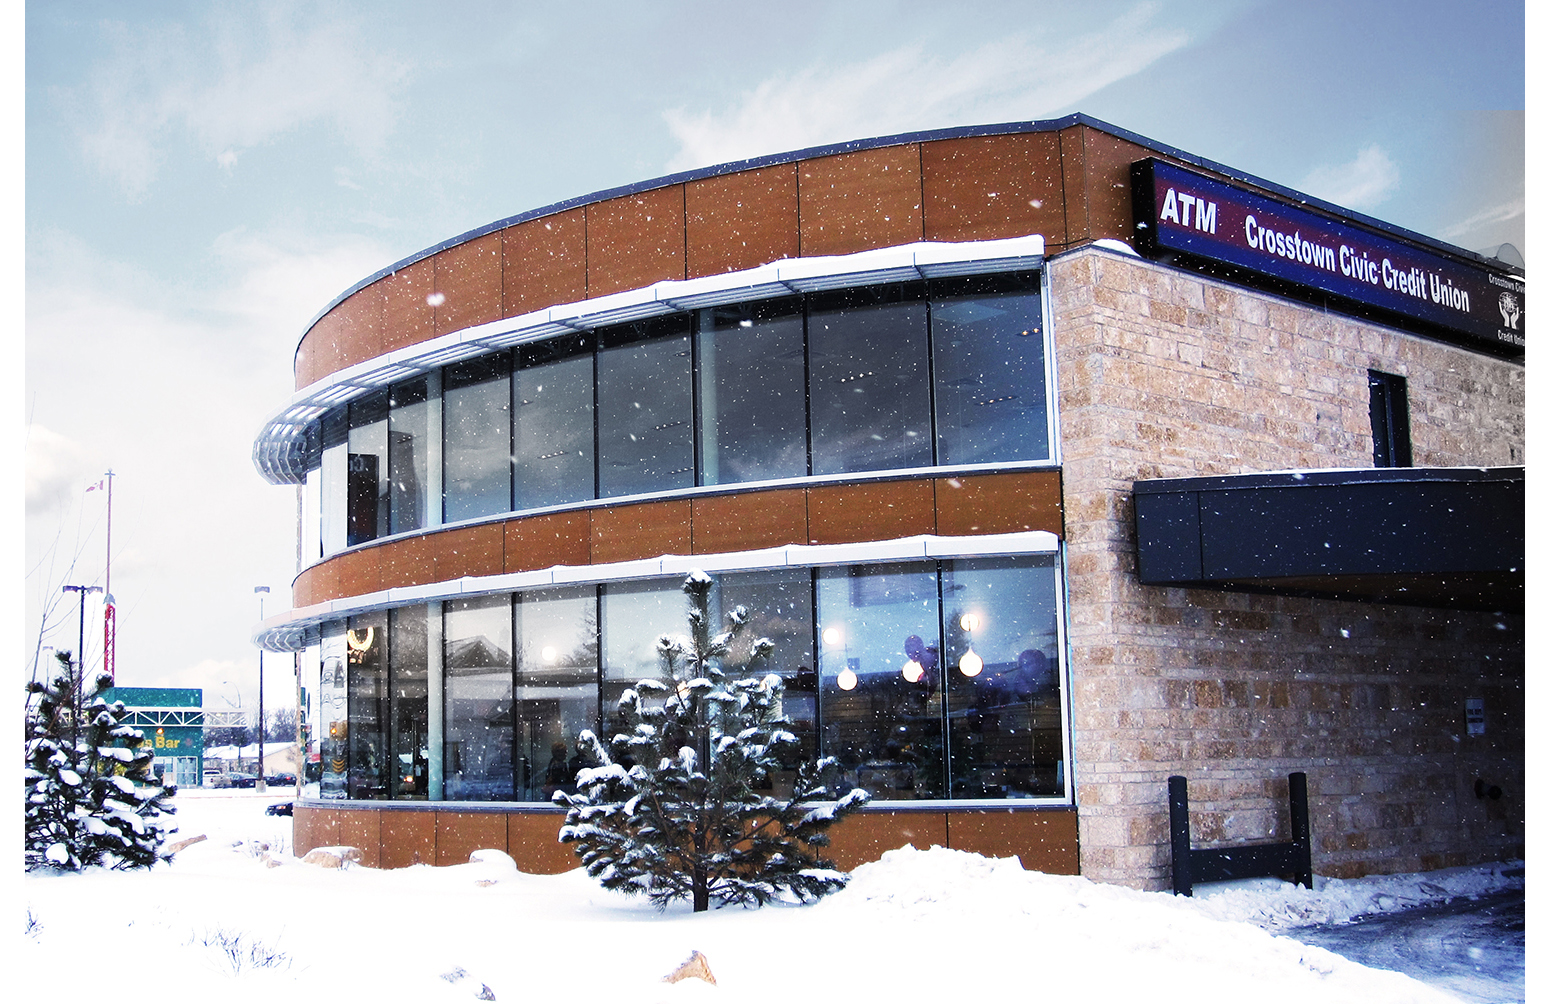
(279, 449)
(1446, 537)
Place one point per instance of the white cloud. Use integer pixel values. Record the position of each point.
(1016, 78)
(58, 468)
(1361, 184)
(231, 84)
(1489, 217)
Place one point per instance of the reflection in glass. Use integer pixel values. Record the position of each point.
(407, 428)
(552, 422)
(365, 645)
(476, 437)
(869, 385)
(367, 510)
(333, 480)
(645, 417)
(1004, 720)
(780, 608)
(556, 695)
(635, 614)
(408, 720)
(477, 759)
(988, 360)
(885, 730)
(753, 408)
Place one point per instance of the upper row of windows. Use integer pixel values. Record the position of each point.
(910, 375)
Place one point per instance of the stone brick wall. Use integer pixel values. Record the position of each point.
(1163, 373)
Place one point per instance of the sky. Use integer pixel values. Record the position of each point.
(202, 178)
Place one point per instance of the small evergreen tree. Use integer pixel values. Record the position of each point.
(90, 796)
(673, 812)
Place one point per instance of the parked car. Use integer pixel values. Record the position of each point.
(216, 779)
(281, 777)
(281, 809)
(240, 779)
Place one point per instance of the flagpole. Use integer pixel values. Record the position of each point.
(109, 628)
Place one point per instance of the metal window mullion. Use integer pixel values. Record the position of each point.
(435, 700)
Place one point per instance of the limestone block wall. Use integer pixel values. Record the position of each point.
(1163, 373)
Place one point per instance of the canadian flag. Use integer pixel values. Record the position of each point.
(98, 486)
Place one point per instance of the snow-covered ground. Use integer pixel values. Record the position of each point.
(223, 923)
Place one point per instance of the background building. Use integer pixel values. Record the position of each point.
(1035, 520)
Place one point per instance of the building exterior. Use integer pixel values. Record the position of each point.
(1054, 460)
(173, 722)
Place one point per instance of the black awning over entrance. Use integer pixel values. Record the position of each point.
(1447, 537)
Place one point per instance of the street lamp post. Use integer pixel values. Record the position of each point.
(259, 784)
(80, 660)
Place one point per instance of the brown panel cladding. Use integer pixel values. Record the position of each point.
(545, 262)
(635, 241)
(865, 836)
(998, 503)
(349, 333)
(643, 530)
(988, 187)
(407, 318)
(854, 201)
(749, 521)
(472, 550)
(533, 840)
(879, 510)
(313, 828)
(408, 562)
(741, 220)
(1097, 183)
(408, 838)
(358, 572)
(361, 829)
(1042, 841)
(468, 278)
(459, 834)
(304, 588)
(561, 538)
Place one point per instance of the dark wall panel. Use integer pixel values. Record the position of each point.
(408, 838)
(989, 187)
(361, 829)
(468, 278)
(855, 201)
(635, 241)
(545, 262)
(865, 836)
(741, 220)
(533, 839)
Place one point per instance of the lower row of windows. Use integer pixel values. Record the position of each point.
(926, 680)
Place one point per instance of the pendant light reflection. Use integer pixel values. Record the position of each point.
(913, 671)
(846, 679)
(970, 664)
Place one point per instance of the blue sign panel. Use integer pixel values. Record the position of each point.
(1210, 222)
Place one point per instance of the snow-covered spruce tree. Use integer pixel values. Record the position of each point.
(90, 796)
(672, 811)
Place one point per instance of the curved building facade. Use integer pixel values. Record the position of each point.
(909, 400)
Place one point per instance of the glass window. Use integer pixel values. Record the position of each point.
(408, 450)
(869, 380)
(477, 758)
(366, 641)
(334, 478)
(556, 695)
(408, 721)
(476, 436)
(551, 410)
(635, 614)
(333, 720)
(645, 421)
(780, 608)
(987, 347)
(367, 510)
(753, 395)
(880, 678)
(1003, 689)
